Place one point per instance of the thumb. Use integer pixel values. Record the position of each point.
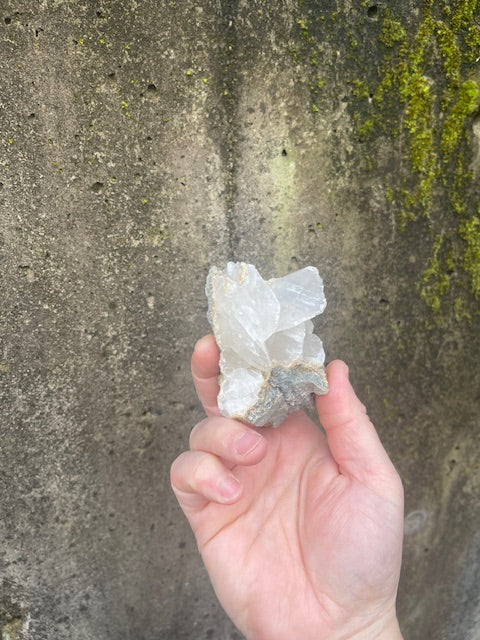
(352, 438)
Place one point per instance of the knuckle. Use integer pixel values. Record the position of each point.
(196, 432)
(176, 468)
(201, 471)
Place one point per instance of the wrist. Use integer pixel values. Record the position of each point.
(383, 629)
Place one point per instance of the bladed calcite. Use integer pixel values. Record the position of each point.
(271, 362)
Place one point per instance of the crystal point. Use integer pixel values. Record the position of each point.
(271, 362)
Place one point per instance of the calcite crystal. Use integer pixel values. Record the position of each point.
(271, 362)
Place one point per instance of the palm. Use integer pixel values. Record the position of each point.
(298, 476)
(306, 546)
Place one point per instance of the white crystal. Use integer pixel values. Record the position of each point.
(271, 362)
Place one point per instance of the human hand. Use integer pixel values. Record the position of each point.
(301, 533)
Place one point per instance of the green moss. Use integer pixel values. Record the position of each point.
(303, 24)
(392, 31)
(450, 51)
(360, 89)
(472, 44)
(463, 14)
(353, 42)
(434, 145)
(466, 104)
(364, 128)
(125, 109)
(462, 179)
(415, 92)
(460, 310)
(436, 282)
(421, 96)
(469, 231)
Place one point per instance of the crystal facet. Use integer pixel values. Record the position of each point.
(271, 362)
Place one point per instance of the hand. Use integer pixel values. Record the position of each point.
(301, 533)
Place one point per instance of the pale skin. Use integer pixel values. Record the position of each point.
(300, 531)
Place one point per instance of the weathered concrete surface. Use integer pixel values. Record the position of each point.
(143, 141)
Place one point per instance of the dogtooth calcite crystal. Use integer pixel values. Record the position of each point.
(271, 362)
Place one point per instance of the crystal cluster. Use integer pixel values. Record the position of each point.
(271, 362)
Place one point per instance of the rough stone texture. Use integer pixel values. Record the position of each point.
(139, 139)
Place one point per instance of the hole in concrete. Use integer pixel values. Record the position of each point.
(97, 187)
(31, 116)
(372, 12)
(284, 152)
(152, 88)
(7, 20)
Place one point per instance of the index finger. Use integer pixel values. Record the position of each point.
(205, 371)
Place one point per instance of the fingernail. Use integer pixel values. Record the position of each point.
(247, 442)
(229, 487)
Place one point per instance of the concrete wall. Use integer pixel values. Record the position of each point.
(142, 141)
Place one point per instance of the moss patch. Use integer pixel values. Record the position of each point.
(415, 81)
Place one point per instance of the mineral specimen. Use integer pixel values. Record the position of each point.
(271, 362)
